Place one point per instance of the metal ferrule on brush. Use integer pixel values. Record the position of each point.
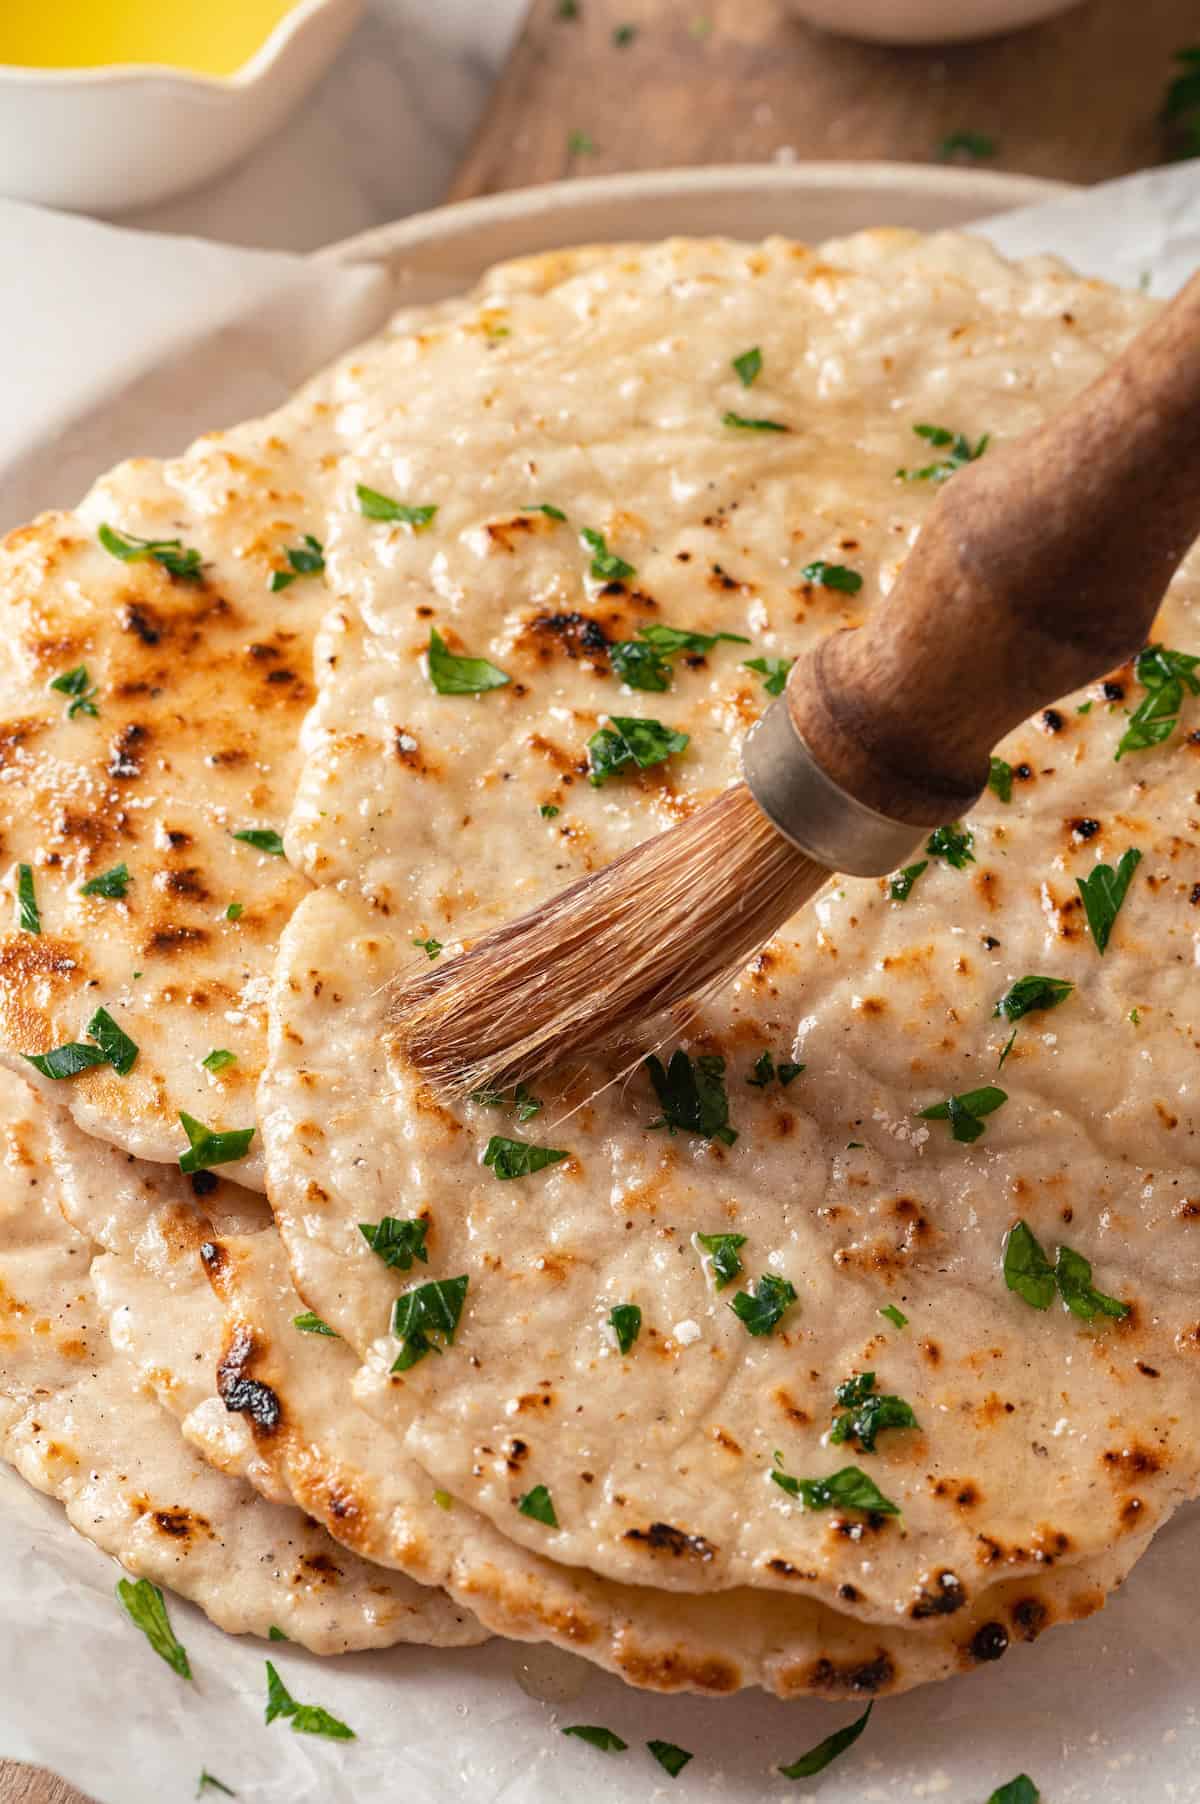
(812, 811)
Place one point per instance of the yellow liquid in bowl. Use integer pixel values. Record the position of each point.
(208, 37)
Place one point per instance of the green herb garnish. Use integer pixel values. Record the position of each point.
(623, 35)
(65, 1061)
(960, 453)
(1029, 1272)
(867, 1412)
(306, 1719)
(1020, 1790)
(849, 1489)
(263, 839)
(235, 911)
(218, 1059)
(306, 559)
(175, 558)
(1030, 993)
(540, 1505)
(642, 662)
(1000, 778)
(1164, 675)
(901, 885)
(207, 1148)
(79, 686)
(692, 1096)
(111, 1047)
(397, 1242)
(374, 506)
(630, 739)
(429, 947)
(145, 1607)
(451, 675)
(209, 1782)
(1006, 1049)
(774, 672)
(742, 424)
(1103, 892)
(29, 918)
(1073, 1275)
(832, 576)
(579, 144)
(625, 1320)
(275, 1634)
(308, 1323)
(519, 1158)
(118, 1049)
(965, 1112)
(761, 1308)
(548, 810)
(672, 1759)
(526, 1104)
(109, 884)
(606, 566)
(895, 1316)
(596, 1737)
(818, 1758)
(953, 843)
(966, 143)
(544, 507)
(426, 1315)
(722, 1250)
(748, 366)
(1181, 107)
(765, 1071)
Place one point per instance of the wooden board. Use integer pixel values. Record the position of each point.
(727, 81)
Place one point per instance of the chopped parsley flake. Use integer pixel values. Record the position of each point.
(451, 675)
(765, 1072)
(275, 1634)
(625, 1320)
(692, 1096)
(964, 1112)
(901, 885)
(118, 1049)
(207, 1148)
(144, 1605)
(1073, 1275)
(111, 1047)
(967, 144)
(761, 1308)
(525, 1103)
(953, 843)
(374, 506)
(519, 1158)
(1030, 993)
(175, 558)
(895, 1316)
(748, 366)
(235, 911)
(109, 884)
(29, 918)
(623, 35)
(397, 1242)
(1164, 675)
(672, 1759)
(544, 507)
(1103, 892)
(961, 453)
(579, 144)
(549, 810)
(642, 662)
(723, 1260)
(741, 424)
(209, 1782)
(79, 686)
(1006, 1049)
(539, 1504)
(1029, 1273)
(443, 1500)
(218, 1059)
(818, 1758)
(774, 672)
(630, 739)
(1020, 1790)
(65, 1061)
(306, 1719)
(849, 1489)
(832, 576)
(305, 559)
(597, 1737)
(1000, 778)
(429, 947)
(867, 1412)
(263, 839)
(606, 566)
(308, 1323)
(425, 1316)
(1181, 108)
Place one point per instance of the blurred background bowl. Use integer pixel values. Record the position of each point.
(126, 135)
(925, 21)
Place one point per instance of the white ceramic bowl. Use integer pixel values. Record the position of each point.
(101, 140)
(925, 21)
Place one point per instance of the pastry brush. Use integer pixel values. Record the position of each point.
(1039, 569)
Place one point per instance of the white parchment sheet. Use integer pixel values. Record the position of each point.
(112, 343)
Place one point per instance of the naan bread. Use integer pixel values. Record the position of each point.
(76, 1424)
(345, 1462)
(1040, 1439)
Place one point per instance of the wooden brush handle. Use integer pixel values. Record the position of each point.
(1039, 568)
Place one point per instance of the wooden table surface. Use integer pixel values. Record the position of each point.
(726, 81)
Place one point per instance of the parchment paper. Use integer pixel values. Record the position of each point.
(110, 344)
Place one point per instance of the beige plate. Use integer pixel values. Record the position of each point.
(437, 254)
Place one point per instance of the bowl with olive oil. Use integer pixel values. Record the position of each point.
(112, 104)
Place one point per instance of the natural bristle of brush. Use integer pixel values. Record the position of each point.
(666, 922)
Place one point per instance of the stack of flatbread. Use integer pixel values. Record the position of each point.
(738, 1367)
